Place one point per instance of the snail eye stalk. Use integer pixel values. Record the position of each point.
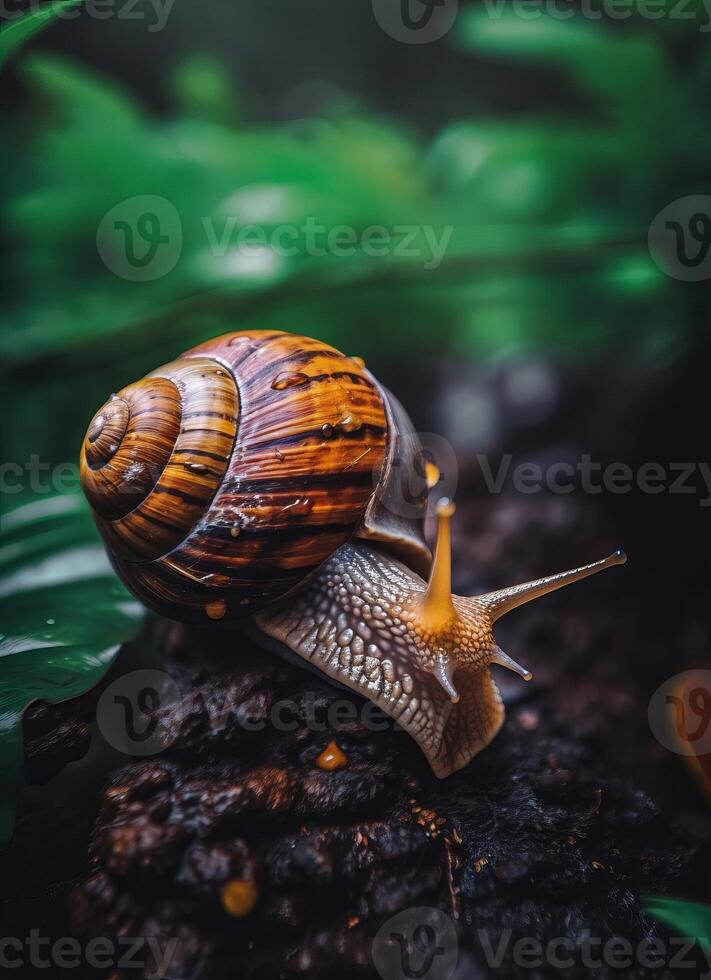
(435, 609)
(503, 601)
(458, 629)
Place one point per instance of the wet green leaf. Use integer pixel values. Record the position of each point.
(688, 919)
(63, 616)
(16, 32)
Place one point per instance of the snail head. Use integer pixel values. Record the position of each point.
(410, 645)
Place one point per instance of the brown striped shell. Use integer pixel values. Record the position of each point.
(222, 480)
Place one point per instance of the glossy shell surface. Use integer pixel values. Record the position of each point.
(223, 479)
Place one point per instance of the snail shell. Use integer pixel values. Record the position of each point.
(222, 480)
(259, 480)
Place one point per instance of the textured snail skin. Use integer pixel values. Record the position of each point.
(355, 621)
(258, 480)
(418, 652)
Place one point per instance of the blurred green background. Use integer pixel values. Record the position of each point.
(538, 148)
(545, 145)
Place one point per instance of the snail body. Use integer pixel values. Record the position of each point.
(255, 481)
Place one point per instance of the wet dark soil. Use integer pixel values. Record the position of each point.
(560, 828)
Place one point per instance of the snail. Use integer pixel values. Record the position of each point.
(257, 481)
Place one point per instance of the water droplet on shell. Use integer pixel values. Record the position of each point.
(196, 467)
(350, 422)
(279, 455)
(327, 429)
(289, 379)
(299, 508)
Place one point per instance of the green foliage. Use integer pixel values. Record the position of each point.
(687, 919)
(17, 32)
(63, 615)
(547, 216)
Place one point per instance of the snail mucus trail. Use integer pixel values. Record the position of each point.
(265, 470)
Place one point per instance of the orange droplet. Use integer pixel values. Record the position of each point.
(289, 379)
(216, 609)
(432, 474)
(331, 758)
(238, 896)
(358, 360)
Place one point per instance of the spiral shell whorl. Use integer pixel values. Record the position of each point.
(180, 425)
(237, 470)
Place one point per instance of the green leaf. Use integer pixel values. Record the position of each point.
(688, 919)
(625, 71)
(21, 30)
(63, 614)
